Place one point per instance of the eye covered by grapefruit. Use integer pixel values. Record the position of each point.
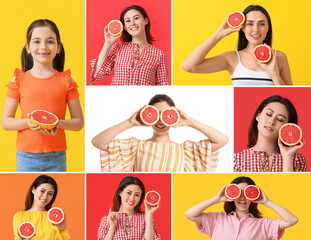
(152, 198)
(115, 27)
(26, 230)
(56, 215)
(290, 134)
(44, 119)
(149, 115)
(235, 19)
(233, 191)
(170, 116)
(262, 53)
(252, 192)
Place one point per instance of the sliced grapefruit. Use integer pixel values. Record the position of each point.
(152, 198)
(290, 134)
(26, 230)
(44, 119)
(252, 192)
(56, 215)
(149, 115)
(235, 19)
(170, 116)
(115, 27)
(233, 191)
(262, 53)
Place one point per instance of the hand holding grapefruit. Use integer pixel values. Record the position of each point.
(44, 119)
(262, 53)
(152, 202)
(57, 217)
(290, 134)
(26, 230)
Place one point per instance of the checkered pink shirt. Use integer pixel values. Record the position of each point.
(151, 68)
(136, 229)
(250, 160)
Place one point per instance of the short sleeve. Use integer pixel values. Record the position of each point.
(208, 222)
(13, 87)
(199, 156)
(120, 156)
(272, 228)
(103, 228)
(72, 87)
(237, 162)
(300, 163)
(162, 71)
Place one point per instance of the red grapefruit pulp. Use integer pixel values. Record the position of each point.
(170, 116)
(262, 53)
(251, 192)
(149, 115)
(290, 134)
(152, 198)
(44, 119)
(56, 215)
(235, 19)
(26, 230)
(115, 27)
(233, 191)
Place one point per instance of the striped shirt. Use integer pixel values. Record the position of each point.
(128, 155)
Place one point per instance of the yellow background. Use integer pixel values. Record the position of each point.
(195, 21)
(15, 18)
(291, 191)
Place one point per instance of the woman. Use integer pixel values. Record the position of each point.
(241, 65)
(266, 151)
(135, 61)
(126, 218)
(241, 218)
(159, 153)
(39, 199)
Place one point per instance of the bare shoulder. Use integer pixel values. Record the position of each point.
(281, 56)
(231, 59)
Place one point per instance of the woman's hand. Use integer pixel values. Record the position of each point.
(225, 30)
(61, 225)
(221, 196)
(271, 66)
(37, 128)
(263, 199)
(110, 39)
(184, 119)
(21, 238)
(289, 152)
(135, 119)
(112, 219)
(151, 210)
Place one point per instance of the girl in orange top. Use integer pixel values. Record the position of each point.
(42, 85)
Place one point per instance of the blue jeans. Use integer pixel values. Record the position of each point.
(41, 162)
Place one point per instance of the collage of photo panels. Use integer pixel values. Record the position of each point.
(155, 120)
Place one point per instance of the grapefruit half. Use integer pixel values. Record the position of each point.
(115, 27)
(233, 191)
(149, 115)
(152, 198)
(44, 119)
(170, 116)
(262, 53)
(235, 19)
(56, 215)
(251, 192)
(26, 230)
(290, 134)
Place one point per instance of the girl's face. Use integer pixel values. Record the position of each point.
(159, 127)
(130, 197)
(242, 204)
(134, 23)
(42, 196)
(272, 117)
(256, 27)
(43, 45)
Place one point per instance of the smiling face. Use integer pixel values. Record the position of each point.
(134, 23)
(130, 197)
(242, 204)
(42, 196)
(159, 127)
(256, 27)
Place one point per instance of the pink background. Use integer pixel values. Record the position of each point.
(100, 13)
(100, 191)
(246, 101)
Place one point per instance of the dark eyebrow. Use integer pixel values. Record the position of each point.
(263, 20)
(129, 17)
(40, 38)
(278, 114)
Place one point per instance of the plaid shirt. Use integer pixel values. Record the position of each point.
(150, 69)
(256, 161)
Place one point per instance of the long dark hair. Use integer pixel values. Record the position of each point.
(253, 208)
(36, 183)
(161, 98)
(242, 41)
(126, 37)
(58, 61)
(253, 126)
(123, 184)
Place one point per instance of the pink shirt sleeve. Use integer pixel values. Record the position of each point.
(271, 228)
(208, 223)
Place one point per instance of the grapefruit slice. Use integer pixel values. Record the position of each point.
(152, 198)
(56, 215)
(115, 27)
(44, 119)
(251, 192)
(149, 115)
(290, 134)
(235, 19)
(26, 230)
(262, 53)
(233, 191)
(170, 116)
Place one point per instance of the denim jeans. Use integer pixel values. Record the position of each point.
(41, 162)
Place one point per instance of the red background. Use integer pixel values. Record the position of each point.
(100, 13)
(246, 101)
(100, 191)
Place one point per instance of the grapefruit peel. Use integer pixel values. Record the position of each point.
(233, 189)
(151, 117)
(167, 114)
(155, 196)
(54, 215)
(25, 229)
(290, 134)
(250, 190)
(48, 126)
(260, 51)
(112, 27)
(234, 19)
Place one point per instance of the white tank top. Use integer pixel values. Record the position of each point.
(245, 77)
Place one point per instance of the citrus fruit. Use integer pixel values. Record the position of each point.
(170, 116)
(152, 198)
(262, 53)
(56, 215)
(235, 19)
(44, 119)
(26, 230)
(232, 191)
(290, 134)
(251, 192)
(149, 115)
(115, 27)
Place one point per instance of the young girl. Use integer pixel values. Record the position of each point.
(135, 61)
(42, 85)
(241, 65)
(39, 199)
(159, 153)
(126, 218)
(241, 219)
(266, 151)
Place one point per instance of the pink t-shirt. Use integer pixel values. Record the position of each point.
(220, 226)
